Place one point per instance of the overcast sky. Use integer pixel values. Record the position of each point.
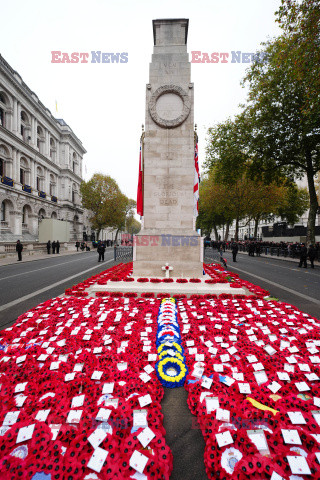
(104, 103)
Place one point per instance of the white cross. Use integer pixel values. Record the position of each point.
(167, 269)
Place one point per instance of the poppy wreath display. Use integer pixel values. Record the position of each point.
(248, 363)
(171, 368)
(55, 361)
(219, 275)
(251, 356)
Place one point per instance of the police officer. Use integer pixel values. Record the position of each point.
(100, 250)
(311, 255)
(234, 249)
(303, 256)
(19, 248)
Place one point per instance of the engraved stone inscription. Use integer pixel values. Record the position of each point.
(169, 67)
(168, 201)
(169, 106)
(164, 193)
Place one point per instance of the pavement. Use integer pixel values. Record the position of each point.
(12, 259)
(275, 257)
(183, 435)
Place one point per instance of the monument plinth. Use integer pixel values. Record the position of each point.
(168, 235)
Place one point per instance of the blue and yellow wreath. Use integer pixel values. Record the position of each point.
(171, 372)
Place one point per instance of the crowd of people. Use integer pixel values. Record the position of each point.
(53, 246)
(83, 246)
(256, 248)
(99, 245)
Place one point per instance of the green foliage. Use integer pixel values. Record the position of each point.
(133, 226)
(108, 206)
(294, 204)
(227, 150)
(300, 22)
(277, 135)
(211, 213)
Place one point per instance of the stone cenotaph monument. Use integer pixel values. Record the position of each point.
(168, 240)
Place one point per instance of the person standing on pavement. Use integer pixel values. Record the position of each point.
(100, 250)
(303, 256)
(311, 255)
(19, 248)
(58, 246)
(48, 246)
(234, 249)
(77, 246)
(54, 246)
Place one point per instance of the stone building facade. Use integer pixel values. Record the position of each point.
(40, 163)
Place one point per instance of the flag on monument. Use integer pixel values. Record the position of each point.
(196, 180)
(140, 185)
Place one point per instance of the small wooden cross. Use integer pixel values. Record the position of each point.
(167, 269)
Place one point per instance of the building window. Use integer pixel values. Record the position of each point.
(40, 138)
(38, 183)
(3, 212)
(24, 215)
(22, 176)
(2, 109)
(73, 196)
(74, 167)
(23, 124)
(1, 167)
(52, 149)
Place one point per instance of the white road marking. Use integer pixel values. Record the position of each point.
(276, 264)
(45, 289)
(306, 297)
(275, 258)
(38, 269)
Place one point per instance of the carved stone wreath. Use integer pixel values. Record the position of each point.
(162, 122)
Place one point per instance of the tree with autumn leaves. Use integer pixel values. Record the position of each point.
(276, 138)
(109, 207)
(224, 201)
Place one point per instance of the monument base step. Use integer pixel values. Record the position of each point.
(173, 288)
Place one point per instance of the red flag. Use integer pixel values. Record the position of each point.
(140, 185)
(196, 180)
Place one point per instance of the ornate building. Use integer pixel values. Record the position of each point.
(40, 163)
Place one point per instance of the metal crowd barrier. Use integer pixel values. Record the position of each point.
(271, 251)
(213, 256)
(123, 253)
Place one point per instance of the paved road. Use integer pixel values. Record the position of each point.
(25, 285)
(284, 280)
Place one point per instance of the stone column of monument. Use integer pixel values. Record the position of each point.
(168, 234)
